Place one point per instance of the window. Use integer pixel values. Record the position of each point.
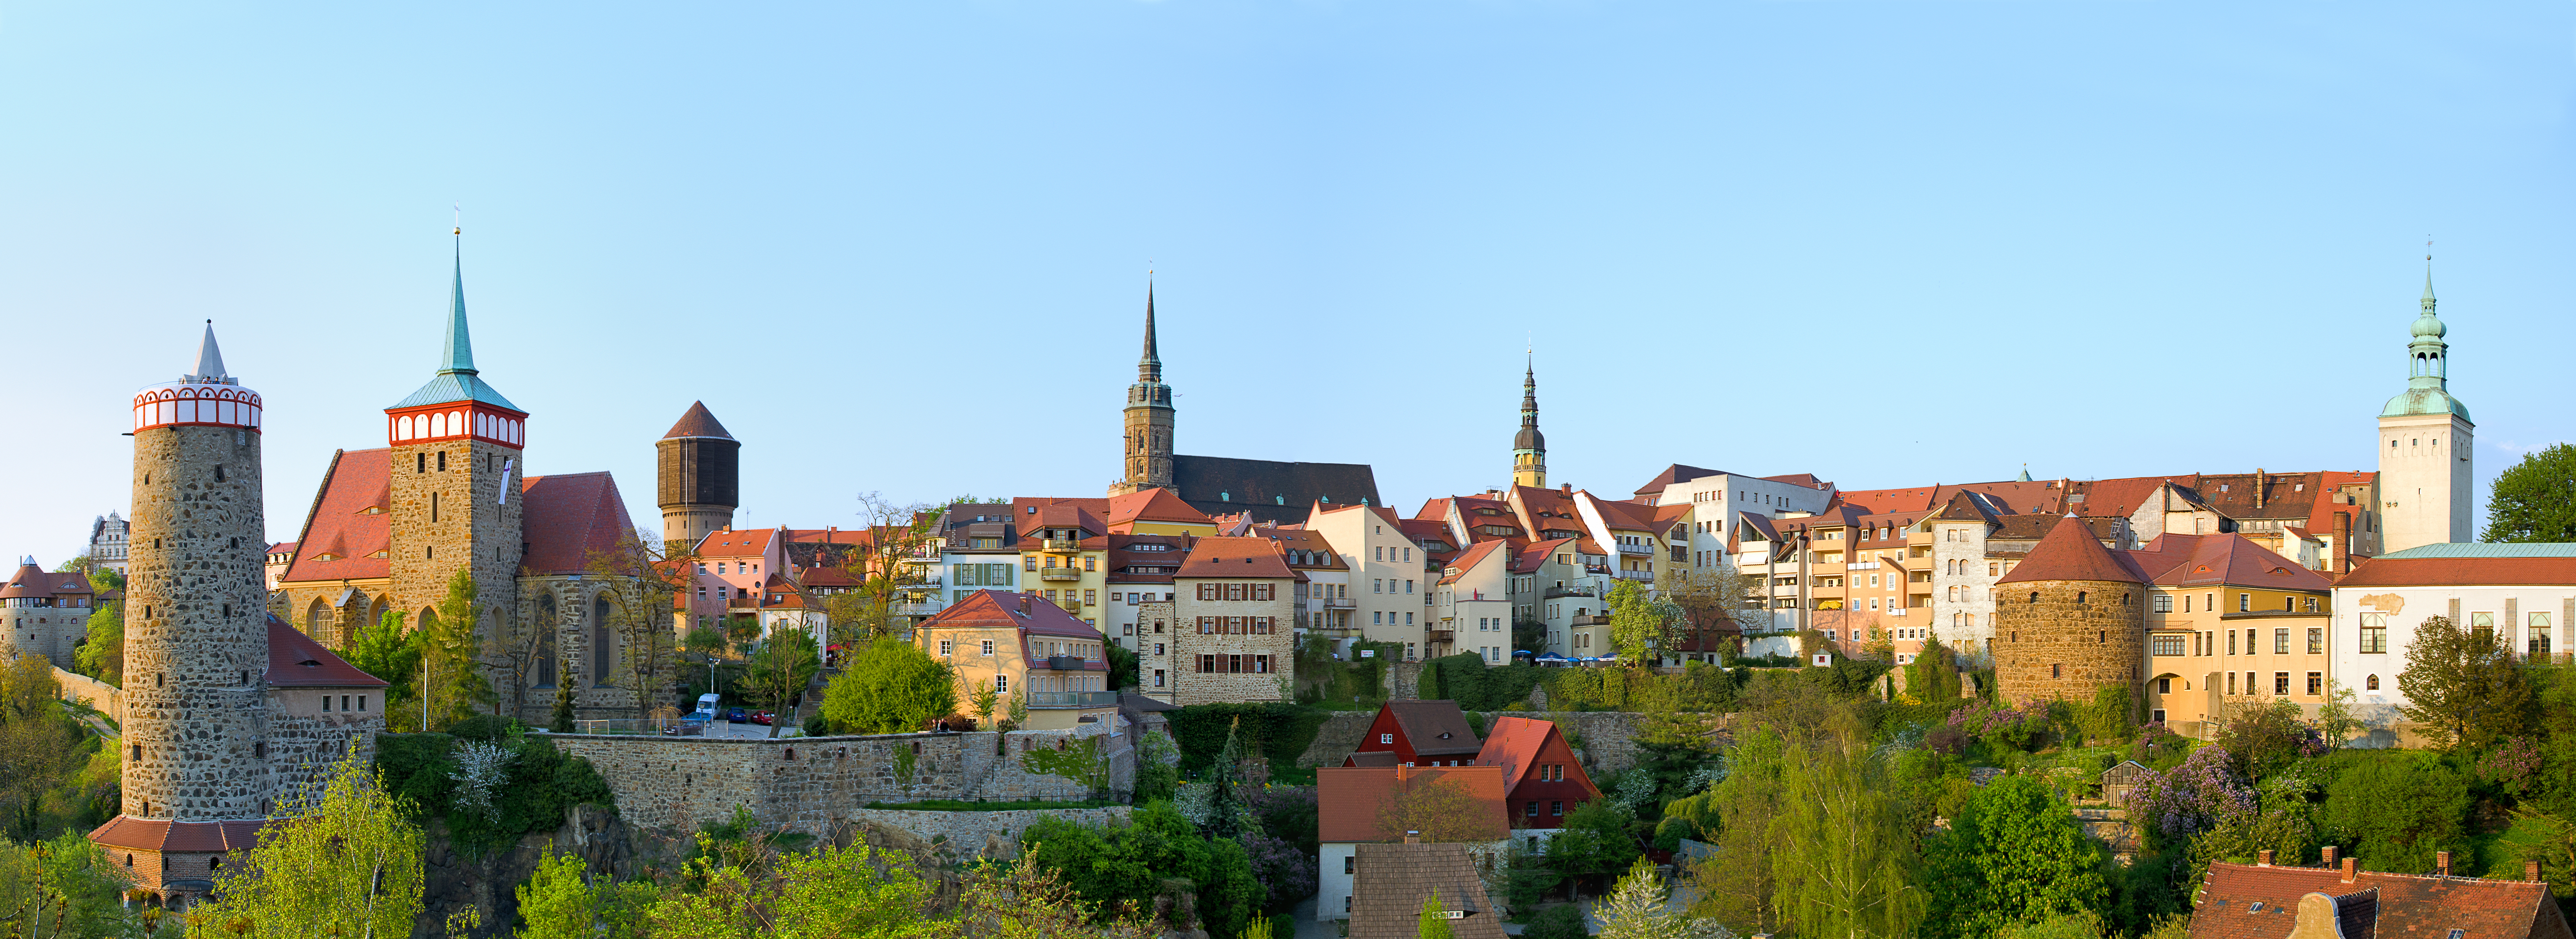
(2168, 645)
(2057, 671)
(2164, 603)
(2374, 634)
(1386, 738)
(2164, 686)
(947, 647)
(1091, 598)
(1158, 677)
(988, 647)
(1001, 684)
(2539, 635)
(1556, 808)
(2316, 684)
(2316, 640)
(2280, 642)
(2281, 684)
(1348, 862)
(2244, 603)
(2370, 684)
(2231, 683)
(2231, 642)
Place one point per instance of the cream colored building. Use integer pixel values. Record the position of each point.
(1388, 574)
(1026, 650)
(1232, 633)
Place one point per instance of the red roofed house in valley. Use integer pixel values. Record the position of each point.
(1020, 645)
(1419, 733)
(1232, 635)
(1543, 778)
(389, 527)
(1364, 805)
(2341, 901)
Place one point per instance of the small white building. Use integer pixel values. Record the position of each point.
(2525, 593)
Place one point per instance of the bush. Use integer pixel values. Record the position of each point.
(543, 783)
(1279, 731)
(2395, 808)
(1557, 922)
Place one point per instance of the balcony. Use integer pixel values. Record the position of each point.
(1072, 699)
(1061, 545)
(1680, 554)
(1073, 663)
(916, 609)
(1341, 603)
(1579, 590)
(1070, 604)
(1059, 573)
(1440, 635)
(1588, 621)
(1642, 550)
(1647, 576)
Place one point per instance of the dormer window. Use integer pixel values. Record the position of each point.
(372, 510)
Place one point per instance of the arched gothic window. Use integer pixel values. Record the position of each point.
(601, 653)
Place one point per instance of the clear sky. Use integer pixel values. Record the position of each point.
(903, 247)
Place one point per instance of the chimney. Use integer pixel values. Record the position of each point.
(2442, 860)
(1024, 604)
(2263, 858)
(2343, 543)
(2330, 855)
(1568, 488)
(2351, 869)
(2258, 487)
(2531, 870)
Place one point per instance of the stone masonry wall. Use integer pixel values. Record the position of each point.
(93, 692)
(196, 627)
(1191, 686)
(2061, 648)
(812, 784)
(474, 529)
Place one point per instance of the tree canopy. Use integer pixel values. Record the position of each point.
(891, 687)
(2535, 499)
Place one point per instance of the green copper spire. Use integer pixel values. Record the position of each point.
(459, 358)
(2428, 358)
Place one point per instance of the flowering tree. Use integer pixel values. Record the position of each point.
(2201, 794)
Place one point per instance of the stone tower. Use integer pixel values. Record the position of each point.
(1146, 454)
(456, 446)
(1529, 447)
(699, 471)
(2069, 619)
(196, 627)
(2424, 444)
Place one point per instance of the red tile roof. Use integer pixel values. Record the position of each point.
(1235, 558)
(1535, 554)
(2407, 906)
(697, 422)
(1808, 480)
(34, 581)
(2461, 572)
(568, 517)
(1513, 744)
(1154, 505)
(2195, 560)
(296, 661)
(1002, 609)
(1299, 539)
(339, 524)
(1474, 555)
(736, 543)
(148, 834)
(2070, 552)
(1348, 798)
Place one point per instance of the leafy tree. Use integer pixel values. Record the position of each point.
(1714, 599)
(1158, 770)
(1642, 627)
(64, 887)
(1743, 889)
(1121, 867)
(349, 866)
(826, 893)
(1933, 678)
(451, 649)
(39, 751)
(2397, 809)
(780, 670)
(1027, 900)
(981, 699)
(2014, 855)
(892, 687)
(1557, 922)
(1636, 908)
(1081, 762)
(639, 581)
(28, 688)
(386, 650)
(2462, 685)
(1438, 810)
(1843, 856)
(2265, 737)
(1433, 923)
(102, 650)
(1596, 841)
(2535, 499)
(1229, 896)
(2335, 718)
(558, 900)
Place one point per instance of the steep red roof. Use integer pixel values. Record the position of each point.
(1474, 555)
(339, 524)
(2070, 552)
(1348, 798)
(2461, 572)
(1513, 743)
(1231, 558)
(736, 542)
(1153, 505)
(2194, 560)
(296, 661)
(2390, 906)
(34, 581)
(697, 422)
(569, 516)
(147, 834)
(1002, 609)
(1529, 558)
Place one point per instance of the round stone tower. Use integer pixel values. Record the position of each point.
(2070, 619)
(698, 476)
(196, 632)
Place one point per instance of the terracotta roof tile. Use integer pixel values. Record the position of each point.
(1348, 798)
(2193, 560)
(339, 524)
(568, 517)
(1002, 609)
(149, 834)
(1153, 505)
(2461, 572)
(2071, 552)
(1244, 557)
(2405, 906)
(697, 421)
(296, 661)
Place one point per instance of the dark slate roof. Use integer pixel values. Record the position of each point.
(1393, 881)
(698, 422)
(1270, 490)
(1435, 728)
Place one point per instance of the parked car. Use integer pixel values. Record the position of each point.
(762, 717)
(736, 715)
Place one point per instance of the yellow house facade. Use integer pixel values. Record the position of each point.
(2230, 623)
(1026, 650)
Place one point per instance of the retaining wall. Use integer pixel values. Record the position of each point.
(93, 692)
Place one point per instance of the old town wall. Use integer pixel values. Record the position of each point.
(2067, 638)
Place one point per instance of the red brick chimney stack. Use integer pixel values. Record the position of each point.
(2442, 860)
(2351, 867)
(2330, 855)
(2263, 858)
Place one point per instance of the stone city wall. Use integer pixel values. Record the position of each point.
(812, 784)
(93, 692)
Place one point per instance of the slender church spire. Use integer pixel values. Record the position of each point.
(1149, 368)
(457, 379)
(1146, 442)
(210, 360)
(459, 356)
(1529, 447)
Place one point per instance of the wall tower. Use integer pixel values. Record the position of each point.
(2425, 439)
(455, 479)
(2070, 619)
(1529, 447)
(196, 627)
(699, 471)
(1146, 451)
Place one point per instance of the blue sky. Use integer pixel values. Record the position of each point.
(904, 247)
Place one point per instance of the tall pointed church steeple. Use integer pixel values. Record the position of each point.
(1529, 447)
(457, 379)
(459, 357)
(1145, 446)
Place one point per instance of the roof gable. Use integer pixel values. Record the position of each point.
(1347, 798)
(568, 517)
(340, 525)
(1235, 557)
(2070, 552)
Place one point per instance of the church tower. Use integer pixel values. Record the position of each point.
(1146, 456)
(699, 471)
(2424, 445)
(1529, 447)
(196, 618)
(455, 480)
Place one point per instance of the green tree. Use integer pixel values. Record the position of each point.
(558, 901)
(1637, 908)
(1843, 856)
(1933, 678)
(2014, 855)
(1713, 600)
(2535, 499)
(780, 670)
(2335, 718)
(1158, 766)
(1438, 810)
(891, 687)
(386, 650)
(64, 887)
(982, 700)
(2398, 809)
(1082, 762)
(827, 893)
(102, 650)
(1743, 889)
(1434, 921)
(451, 648)
(561, 720)
(1122, 667)
(1027, 900)
(1642, 627)
(2462, 685)
(1597, 840)
(350, 865)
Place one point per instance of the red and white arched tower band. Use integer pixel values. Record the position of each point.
(457, 420)
(197, 403)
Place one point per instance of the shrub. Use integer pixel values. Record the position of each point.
(542, 783)
(1557, 922)
(2396, 808)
